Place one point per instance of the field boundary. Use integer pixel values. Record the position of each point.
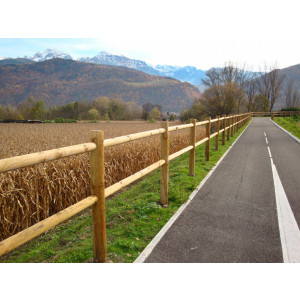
(147, 251)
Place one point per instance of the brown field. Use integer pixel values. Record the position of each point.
(32, 194)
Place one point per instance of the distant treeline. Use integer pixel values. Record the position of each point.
(233, 90)
(101, 108)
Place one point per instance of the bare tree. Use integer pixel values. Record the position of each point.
(239, 75)
(250, 90)
(291, 94)
(231, 80)
(269, 84)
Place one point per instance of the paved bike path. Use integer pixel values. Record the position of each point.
(233, 217)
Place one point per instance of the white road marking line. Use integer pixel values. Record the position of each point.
(264, 133)
(267, 140)
(288, 227)
(269, 152)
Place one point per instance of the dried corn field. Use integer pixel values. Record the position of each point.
(32, 194)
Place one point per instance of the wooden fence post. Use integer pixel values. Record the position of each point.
(236, 125)
(207, 143)
(232, 120)
(164, 169)
(272, 116)
(192, 151)
(217, 136)
(228, 129)
(223, 132)
(98, 187)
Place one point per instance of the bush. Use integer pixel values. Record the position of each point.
(290, 109)
(62, 120)
(151, 120)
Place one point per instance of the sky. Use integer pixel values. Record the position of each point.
(199, 33)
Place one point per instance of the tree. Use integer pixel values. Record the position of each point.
(146, 109)
(240, 75)
(101, 104)
(291, 94)
(155, 114)
(172, 117)
(225, 89)
(260, 103)
(116, 108)
(185, 115)
(220, 100)
(132, 111)
(39, 110)
(93, 114)
(269, 83)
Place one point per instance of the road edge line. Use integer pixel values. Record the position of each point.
(291, 135)
(147, 251)
(288, 227)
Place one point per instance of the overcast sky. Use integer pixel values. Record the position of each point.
(198, 33)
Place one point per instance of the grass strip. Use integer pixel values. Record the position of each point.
(291, 124)
(133, 217)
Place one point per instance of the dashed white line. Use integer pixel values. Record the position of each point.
(269, 152)
(267, 140)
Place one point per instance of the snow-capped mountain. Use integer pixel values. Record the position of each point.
(105, 58)
(3, 57)
(188, 73)
(48, 54)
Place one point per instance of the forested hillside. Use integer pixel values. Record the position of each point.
(59, 81)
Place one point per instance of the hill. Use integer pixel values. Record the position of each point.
(15, 61)
(292, 72)
(289, 73)
(60, 81)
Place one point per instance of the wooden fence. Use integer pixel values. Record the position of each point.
(231, 124)
(275, 114)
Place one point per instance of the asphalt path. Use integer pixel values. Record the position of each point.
(234, 216)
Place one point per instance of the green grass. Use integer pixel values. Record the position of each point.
(291, 124)
(133, 217)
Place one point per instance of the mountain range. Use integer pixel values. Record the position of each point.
(59, 81)
(185, 74)
(162, 78)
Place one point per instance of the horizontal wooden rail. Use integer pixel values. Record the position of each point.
(201, 123)
(13, 163)
(26, 235)
(180, 152)
(172, 128)
(201, 141)
(132, 137)
(214, 120)
(213, 135)
(119, 185)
